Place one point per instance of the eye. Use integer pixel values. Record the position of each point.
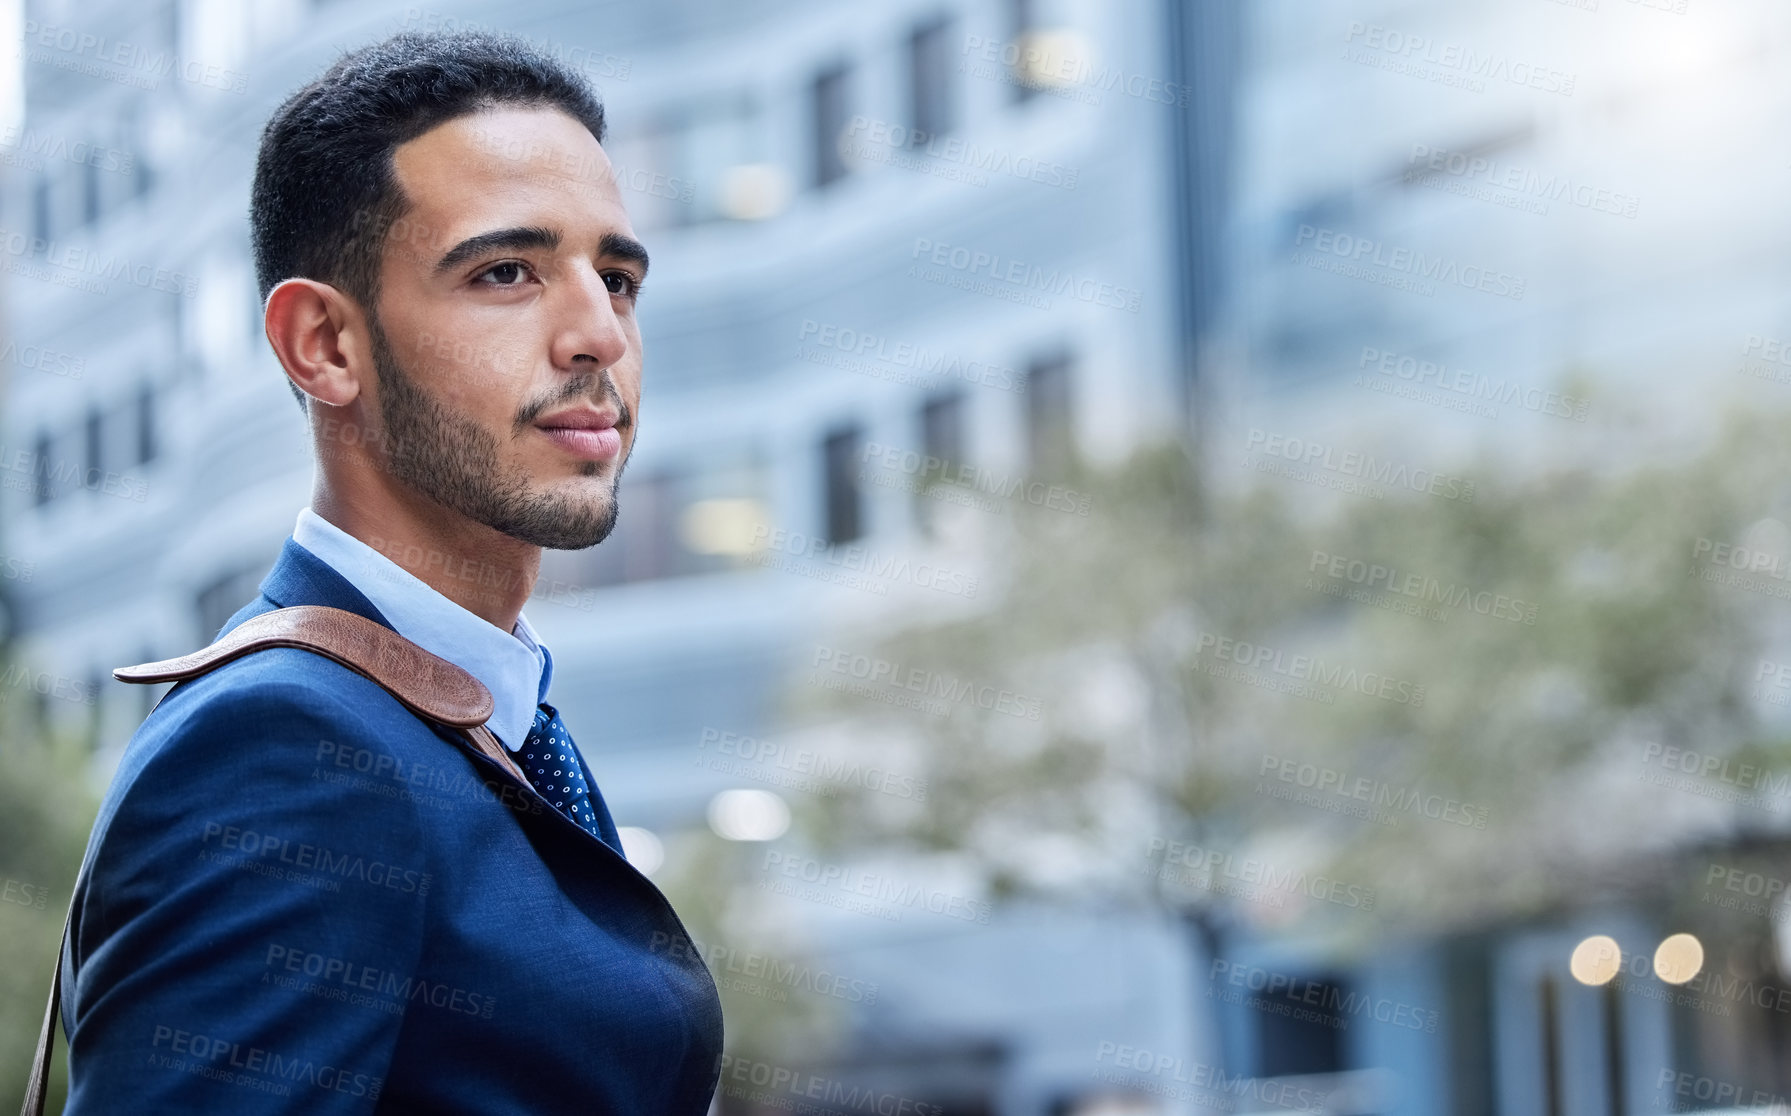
(623, 284)
(509, 273)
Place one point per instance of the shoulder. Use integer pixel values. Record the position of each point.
(255, 747)
(227, 830)
(279, 693)
(260, 726)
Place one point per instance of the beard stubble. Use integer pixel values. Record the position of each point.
(450, 459)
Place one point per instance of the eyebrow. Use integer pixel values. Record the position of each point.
(622, 247)
(614, 245)
(475, 246)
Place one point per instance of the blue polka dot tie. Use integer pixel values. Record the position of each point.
(553, 767)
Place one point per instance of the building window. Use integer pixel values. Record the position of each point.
(180, 334)
(41, 471)
(714, 155)
(649, 548)
(40, 214)
(134, 168)
(722, 512)
(642, 546)
(844, 501)
(932, 88)
(1611, 1001)
(90, 193)
(832, 111)
(219, 599)
(94, 458)
(1292, 1046)
(942, 439)
(1550, 1038)
(143, 177)
(700, 520)
(145, 425)
(1022, 22)
(1050, 438)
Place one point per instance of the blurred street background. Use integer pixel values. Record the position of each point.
(1184, 556)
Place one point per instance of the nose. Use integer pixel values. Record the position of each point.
(589, 329)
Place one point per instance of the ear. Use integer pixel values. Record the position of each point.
(320, 337)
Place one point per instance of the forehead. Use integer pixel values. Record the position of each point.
(508, 167)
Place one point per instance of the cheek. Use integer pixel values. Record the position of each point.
(465, 367)
(473, 396)
(475, 378)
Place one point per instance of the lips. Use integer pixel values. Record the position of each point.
(585, 433)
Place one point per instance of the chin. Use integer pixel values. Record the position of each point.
(555, 523)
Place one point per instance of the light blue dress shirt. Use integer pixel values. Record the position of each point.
(513, 665)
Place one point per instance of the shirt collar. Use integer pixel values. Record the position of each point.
(514, 666)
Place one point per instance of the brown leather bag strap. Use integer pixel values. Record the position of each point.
(427, 685)
(39, 1082)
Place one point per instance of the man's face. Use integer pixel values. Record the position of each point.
(505, 342)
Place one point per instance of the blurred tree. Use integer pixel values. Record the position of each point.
(46, 812)
(1439, 699)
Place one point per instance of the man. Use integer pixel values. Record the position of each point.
(302, 896)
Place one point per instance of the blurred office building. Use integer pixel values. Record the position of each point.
(881, 233)
(892, 240)
(1515, 236)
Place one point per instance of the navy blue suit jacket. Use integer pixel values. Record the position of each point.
(303, 899)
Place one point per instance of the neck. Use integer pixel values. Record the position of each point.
(482, 570)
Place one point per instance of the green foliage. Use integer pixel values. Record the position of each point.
(1527, 641)
(45, 816)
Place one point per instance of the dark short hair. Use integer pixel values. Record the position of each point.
(325, 191)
